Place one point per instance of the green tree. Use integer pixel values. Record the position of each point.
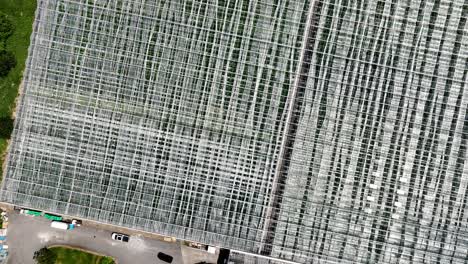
(6, 127)
(107, 261)
(6, 29)
(7, 62)
(45, 256)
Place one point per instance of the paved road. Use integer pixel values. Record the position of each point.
(26, 234)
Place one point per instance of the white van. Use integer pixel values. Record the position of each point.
(59, 225)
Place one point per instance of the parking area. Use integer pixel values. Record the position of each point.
(26, 234)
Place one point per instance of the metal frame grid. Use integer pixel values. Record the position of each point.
(377, 170)
(328, 131)
(164, 116)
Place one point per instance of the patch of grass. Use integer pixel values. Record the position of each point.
(3, 145)
(74, 256)
(21, 14)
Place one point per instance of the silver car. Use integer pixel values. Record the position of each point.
(120, 237)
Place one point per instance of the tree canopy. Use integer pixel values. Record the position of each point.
(6, 127)
(6, 28)
(7, 62)
(45, 256)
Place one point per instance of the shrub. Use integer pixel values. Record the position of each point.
(6, 127)
(45, 256)
(107, 260)
(6, 28)
(7, 62)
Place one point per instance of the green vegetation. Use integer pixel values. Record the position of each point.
(16, 19)
(45, 256)
(6, 126)
(7, 62)
(74, 256)
(6, 29)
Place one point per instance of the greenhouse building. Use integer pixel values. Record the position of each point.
(308, 131)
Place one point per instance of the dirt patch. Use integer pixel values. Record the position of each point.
(17, 99)
(3, 159)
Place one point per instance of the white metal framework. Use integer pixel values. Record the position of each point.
(326, 131)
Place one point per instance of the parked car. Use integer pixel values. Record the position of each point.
(120, 237)
(165, 257)
(223, 257)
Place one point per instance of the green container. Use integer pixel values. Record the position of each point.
(34, 213)
(53, 217)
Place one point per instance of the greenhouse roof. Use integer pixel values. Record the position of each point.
(310, 131)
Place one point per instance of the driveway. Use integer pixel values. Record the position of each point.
(26, 234)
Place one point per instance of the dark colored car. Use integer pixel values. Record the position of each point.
(165, 257)
(223, 256)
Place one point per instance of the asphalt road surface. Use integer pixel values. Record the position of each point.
(26, 234)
